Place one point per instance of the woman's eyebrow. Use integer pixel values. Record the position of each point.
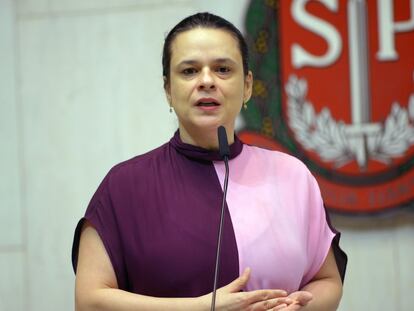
(187, 62)
(193, 62)
(224, 60)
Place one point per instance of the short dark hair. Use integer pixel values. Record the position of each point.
(203, 20)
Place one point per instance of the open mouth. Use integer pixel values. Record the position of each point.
(207, 104)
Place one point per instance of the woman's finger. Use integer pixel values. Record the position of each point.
(262, 295)
(272, 303)
(279, 307)
(302, 297)
(290, 307)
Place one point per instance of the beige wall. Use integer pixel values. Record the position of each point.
(80, 90)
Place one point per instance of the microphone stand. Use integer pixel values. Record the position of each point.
(224, 152)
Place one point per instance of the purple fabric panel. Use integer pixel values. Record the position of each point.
(101, 215)
(158, 217)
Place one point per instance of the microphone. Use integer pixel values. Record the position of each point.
(224, 151)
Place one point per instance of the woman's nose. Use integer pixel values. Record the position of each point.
(206, 79)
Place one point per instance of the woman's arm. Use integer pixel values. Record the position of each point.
(96, 288)
(323, 292)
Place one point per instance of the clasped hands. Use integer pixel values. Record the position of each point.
(230, 297)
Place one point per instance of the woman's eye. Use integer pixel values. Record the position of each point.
(223, 69)
(189, 71)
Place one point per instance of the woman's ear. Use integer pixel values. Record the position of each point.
(248, 87)
(167, 90)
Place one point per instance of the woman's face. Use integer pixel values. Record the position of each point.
(207, 85)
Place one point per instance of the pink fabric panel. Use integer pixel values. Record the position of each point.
(278, 218)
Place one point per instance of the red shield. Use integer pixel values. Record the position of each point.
(347, 97)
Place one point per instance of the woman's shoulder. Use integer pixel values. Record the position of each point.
(139, 165)
(276, 158)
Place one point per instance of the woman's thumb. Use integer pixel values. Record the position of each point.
(238, 284)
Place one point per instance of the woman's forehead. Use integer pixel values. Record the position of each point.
(199, 42)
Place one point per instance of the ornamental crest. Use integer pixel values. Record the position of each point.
(334, 86)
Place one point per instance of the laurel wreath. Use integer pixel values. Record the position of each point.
(328, 138)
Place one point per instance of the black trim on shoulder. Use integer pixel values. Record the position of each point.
(340, 256)
(75, 245)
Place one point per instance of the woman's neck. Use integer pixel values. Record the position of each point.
(204, 138)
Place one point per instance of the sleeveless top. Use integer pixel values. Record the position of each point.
(158, 216)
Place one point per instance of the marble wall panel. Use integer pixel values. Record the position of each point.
(12, 294)
(372, 275)
(91, 96)
(233, 10)
(10, 183)
(42, 7)
(144, 111)
(404, 258)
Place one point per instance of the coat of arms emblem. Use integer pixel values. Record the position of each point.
(335, 87)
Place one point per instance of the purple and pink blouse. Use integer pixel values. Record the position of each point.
(158, 216)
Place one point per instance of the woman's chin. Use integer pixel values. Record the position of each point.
(207, 123)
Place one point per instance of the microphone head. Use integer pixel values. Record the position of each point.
(224, 149)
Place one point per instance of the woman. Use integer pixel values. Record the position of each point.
(148, 238)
